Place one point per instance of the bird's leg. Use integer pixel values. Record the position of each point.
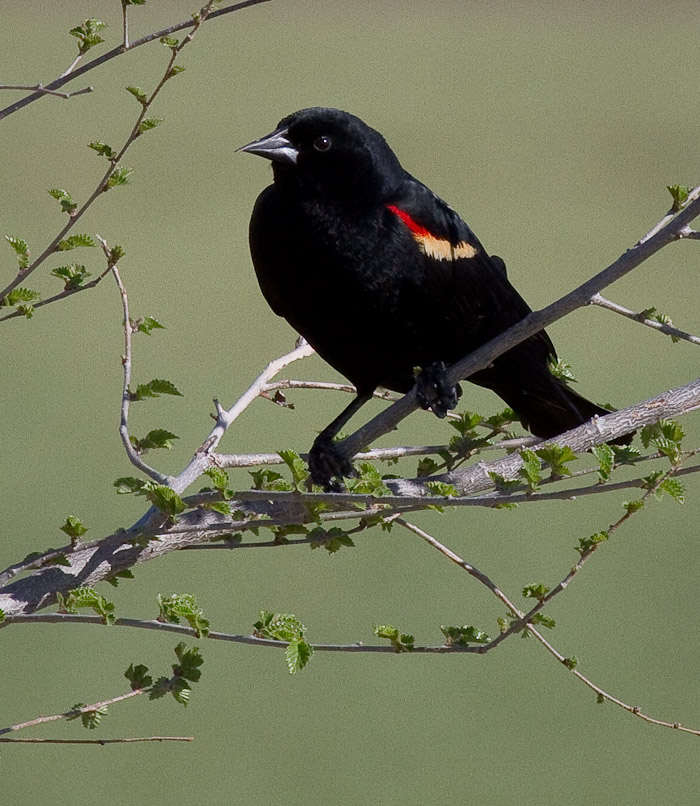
(327, 463)
(433, 391)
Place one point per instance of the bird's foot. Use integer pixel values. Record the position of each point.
(433, 391)
(329, 465)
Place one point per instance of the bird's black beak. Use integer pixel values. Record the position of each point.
(276, 147)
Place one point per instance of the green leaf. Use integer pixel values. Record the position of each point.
(87, 34)
(531, 470)
(146, 325)
(119, 176)
(175, 69)
(663, 432)
(466, 423)
(624, 455)
(537, 591)
(633, 506)
(278, 626)
(164, 499)
(2, 616)
(103, 149)
(332, 540)
(285, 627)
(90, 719)
(442, 489)
(138, 677)
(400, 641)
(185, 672)
(560, 369)
(72, 275)
(540, 620)
(157, 438)
(139, 94)
(19, 294)
(219, 478)
(297, 468)
(125, 573)
(587, 543)
(463, 636)
(154, 388)
(606, 460)
(189, 662)
(66, 200)
(86, 596)
(169, 41)
(426, 467)
(504, 485)
(73, 527)
(129, 484)
(369, 481)
(570, 663)
(218, 506)
(679, 194)
(75, 241)
(556, 458)
(297, 655)
(21, 250)
(501, 419)
(674, 488)
(183, 606)
(266, 479)
(149, 123)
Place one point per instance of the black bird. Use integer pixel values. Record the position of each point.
(381, 276)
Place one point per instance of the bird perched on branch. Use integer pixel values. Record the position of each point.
(382, 277)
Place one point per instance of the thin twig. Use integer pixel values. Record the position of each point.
(669, 330)
(119, 51)
(566, 662)
(102, 185)
(100, 741)
(41, 89)
(153, 624)
(133, 456)
(41, 720)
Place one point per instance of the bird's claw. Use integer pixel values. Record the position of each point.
(329, 465)
(434, 392)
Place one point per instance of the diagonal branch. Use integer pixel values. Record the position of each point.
(118, 51)
(669, 330)
(672, 230)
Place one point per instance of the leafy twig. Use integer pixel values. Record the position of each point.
(663, 327)
(134, 458)
(118, 51)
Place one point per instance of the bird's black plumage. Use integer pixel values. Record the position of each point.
(381, 276)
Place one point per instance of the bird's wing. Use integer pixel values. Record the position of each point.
(457, 286)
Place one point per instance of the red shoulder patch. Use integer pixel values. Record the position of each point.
(432, 245)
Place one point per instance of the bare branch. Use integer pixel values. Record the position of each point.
(101, 741)
(41, 89)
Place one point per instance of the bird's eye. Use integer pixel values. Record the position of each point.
(323, 143)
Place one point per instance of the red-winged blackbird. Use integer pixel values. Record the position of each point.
(381, 276)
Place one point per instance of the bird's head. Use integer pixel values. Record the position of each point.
(330, 153)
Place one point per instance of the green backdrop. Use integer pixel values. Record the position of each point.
(553, 128)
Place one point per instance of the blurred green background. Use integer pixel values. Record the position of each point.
(552, 127)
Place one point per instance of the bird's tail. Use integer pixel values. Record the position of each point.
(552, 408)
